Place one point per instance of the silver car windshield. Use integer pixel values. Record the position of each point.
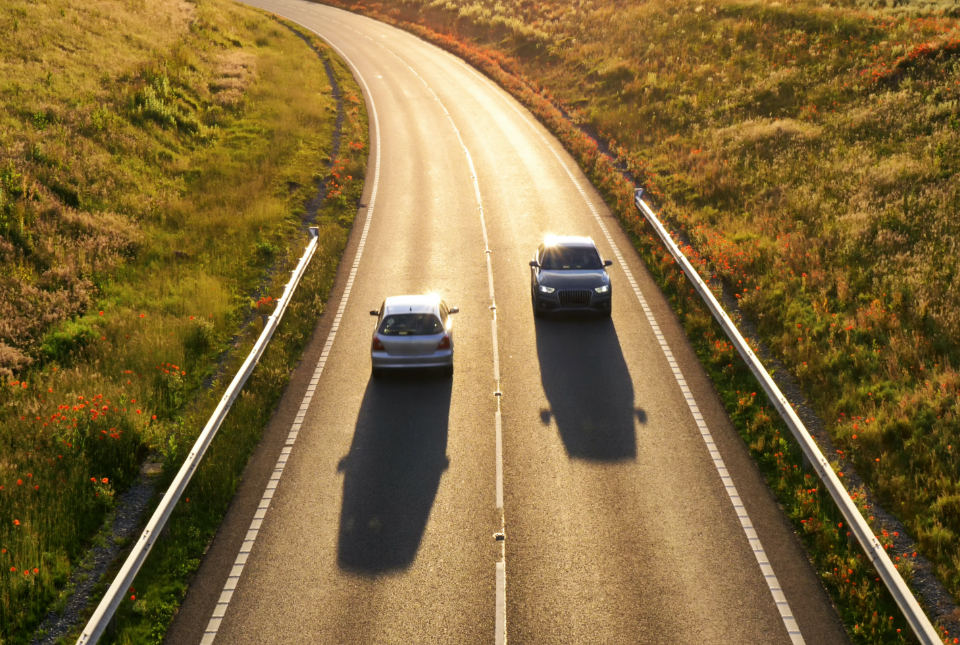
(558, 258)
(410, 325)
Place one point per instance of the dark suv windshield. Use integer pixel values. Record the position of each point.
(411, 325)
(575, 258)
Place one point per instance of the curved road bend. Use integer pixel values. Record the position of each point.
(618, 526)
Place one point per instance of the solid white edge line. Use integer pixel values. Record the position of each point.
(233, 579)
(773, 584)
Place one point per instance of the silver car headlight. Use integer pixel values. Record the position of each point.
(544, 289)
(604, 289)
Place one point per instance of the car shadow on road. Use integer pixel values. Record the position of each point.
(589, 388)
(392, 472)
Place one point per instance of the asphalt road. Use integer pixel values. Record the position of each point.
(617, 525)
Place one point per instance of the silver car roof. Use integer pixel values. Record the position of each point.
(411, 304)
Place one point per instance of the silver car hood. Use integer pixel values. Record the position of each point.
(574, 279)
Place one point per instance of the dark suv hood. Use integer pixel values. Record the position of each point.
(574, 279)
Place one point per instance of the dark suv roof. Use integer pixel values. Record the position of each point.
(569, 240)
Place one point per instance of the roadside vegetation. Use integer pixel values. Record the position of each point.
(810, 153)
(155, 163)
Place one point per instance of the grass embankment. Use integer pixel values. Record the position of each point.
(810, 152)
(154, 162)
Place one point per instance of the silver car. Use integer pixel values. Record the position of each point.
(412, 331)
(567, 274)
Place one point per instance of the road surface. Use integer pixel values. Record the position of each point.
(372, 511)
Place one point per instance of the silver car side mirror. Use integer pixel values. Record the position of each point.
(374, 312)
(534, 264)
(454, 310)
(608, 263)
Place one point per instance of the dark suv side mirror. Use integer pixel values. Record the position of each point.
(608, 263)
(534, 264)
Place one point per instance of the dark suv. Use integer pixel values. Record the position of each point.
(567, 274)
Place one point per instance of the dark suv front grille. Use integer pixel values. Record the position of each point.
(578, 298)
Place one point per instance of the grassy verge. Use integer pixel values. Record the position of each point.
(809, 152)
(154, 164)
(162, 583)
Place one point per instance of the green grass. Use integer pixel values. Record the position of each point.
(154, 162)
(810, 152)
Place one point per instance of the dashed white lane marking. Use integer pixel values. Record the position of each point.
(228, 589)
(773, 584)
(501, 623)
(499, 448)
(496, 351)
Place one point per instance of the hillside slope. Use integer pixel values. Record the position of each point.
(158, 164)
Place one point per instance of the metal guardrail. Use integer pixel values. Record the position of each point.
(877, 555)
(108, 606)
